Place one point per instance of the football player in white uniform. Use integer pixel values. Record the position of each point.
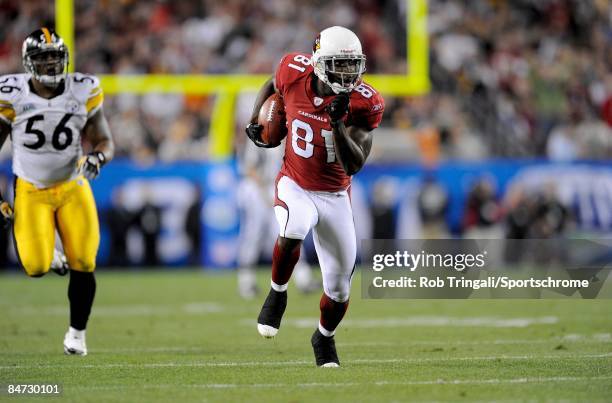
(45, 112)
(258, 229)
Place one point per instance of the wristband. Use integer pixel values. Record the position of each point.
(335, 123)
(101, 157)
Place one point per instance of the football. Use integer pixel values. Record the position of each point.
(272, 118)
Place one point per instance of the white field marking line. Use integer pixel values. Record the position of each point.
(193, 308)
(434, 321)
(601, 337)
(160, 349)
(569, 338)
(494, 381)
(300, 363)
(169, 365)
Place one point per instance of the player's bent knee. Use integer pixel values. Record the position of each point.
(289, 243)
(337, 288)
(340, 296)
(338, 293)
(82, 265)
(293, 226)
(36, 269)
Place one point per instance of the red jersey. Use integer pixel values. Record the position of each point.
(310, 157)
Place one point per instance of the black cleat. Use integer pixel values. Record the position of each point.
(272, 311)
(60, 272)
(324, 350)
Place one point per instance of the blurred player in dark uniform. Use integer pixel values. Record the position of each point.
(331, 114)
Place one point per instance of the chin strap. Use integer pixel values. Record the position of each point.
(46, 81)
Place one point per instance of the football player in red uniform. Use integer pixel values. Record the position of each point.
(331, 114)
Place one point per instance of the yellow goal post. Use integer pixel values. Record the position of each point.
(225, 87)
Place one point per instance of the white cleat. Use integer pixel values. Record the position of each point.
(330, 365)
(59, 264)
(74, 342)
(266, 331)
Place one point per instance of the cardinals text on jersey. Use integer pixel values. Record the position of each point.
(46, 133)
(310, 158)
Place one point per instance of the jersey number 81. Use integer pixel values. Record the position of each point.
(301, 130)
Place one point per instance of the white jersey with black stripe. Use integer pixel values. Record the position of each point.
(46, 133)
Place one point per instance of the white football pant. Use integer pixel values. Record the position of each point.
(330, 216)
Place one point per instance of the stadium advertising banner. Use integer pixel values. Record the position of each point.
(186, 212)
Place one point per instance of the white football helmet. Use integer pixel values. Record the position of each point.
(338, 60)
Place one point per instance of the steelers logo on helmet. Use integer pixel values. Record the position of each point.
(45, 57)
(338, 60)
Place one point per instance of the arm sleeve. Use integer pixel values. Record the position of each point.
(368, 114)
(279, 76)
(7, 112)
(11, 87)
(288, 71)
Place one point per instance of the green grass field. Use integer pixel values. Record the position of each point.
(186, 336)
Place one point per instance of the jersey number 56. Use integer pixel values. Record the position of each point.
(58, 141)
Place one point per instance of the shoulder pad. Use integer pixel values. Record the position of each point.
(86, 88)
(292, 67)
(11, 88)
(83, 83)
(367, 106)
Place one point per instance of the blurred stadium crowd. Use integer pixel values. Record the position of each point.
(534, 76)
(519, 78)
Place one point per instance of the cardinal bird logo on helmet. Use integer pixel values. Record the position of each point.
(338, 60)
(317, 44)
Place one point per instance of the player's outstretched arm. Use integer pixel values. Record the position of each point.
(253, 129)
(97, 132)
(353, 143)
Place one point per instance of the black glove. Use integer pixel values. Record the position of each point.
(253, 131)
(91, 164)
(338, 108)
(6, 212)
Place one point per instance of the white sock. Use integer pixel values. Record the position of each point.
(325, 332)
(278, 287)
